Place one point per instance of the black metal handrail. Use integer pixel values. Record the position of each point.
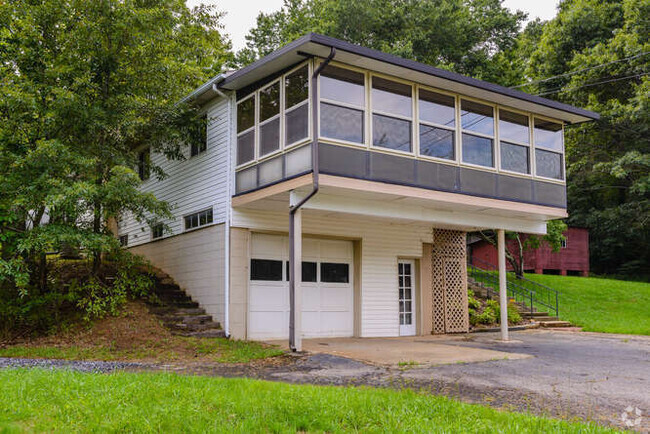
(534, 296)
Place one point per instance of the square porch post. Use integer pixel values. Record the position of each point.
(503, 289)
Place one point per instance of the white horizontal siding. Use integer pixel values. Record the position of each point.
(194, 184)
(382, 243)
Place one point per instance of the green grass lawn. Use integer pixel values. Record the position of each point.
(64, 401)
(602, 305)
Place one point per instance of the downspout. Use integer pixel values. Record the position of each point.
(294, 208)
(226, 283)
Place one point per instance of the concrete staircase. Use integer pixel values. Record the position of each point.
(543, 318)
(178, 312)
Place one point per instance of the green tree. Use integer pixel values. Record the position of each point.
(85, 85)
(459, 35)
(601, 52)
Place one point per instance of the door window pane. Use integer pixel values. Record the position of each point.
(548, 135)
(437, 108)
(334, 273)
(341, 123)
(477, 150)
(296, 87)
(270, 137)
(269, 102)
(548, 164)
(514, 158)
(342, 85)
(513, 126)
(309, 272)
(245, 114)
(391, 133)
(436, 142)
(391, 97)
(297, 124)
(266, 269)
(246, 147)
(477, 117)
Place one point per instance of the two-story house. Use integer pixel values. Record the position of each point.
(365, 170)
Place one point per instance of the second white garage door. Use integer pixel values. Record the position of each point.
(327, 287)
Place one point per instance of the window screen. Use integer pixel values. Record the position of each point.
(266, 269)
(331, 272)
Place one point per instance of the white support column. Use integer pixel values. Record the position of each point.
(503, 289)
(297, 276)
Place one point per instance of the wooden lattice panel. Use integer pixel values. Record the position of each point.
(449, 282)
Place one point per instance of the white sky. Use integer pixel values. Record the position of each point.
(241, 14)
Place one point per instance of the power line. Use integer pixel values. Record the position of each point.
(592, 84)
(580, 70)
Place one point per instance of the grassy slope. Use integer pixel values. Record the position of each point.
(38, 400)
(602, 305)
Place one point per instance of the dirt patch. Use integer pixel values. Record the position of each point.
(138, 335)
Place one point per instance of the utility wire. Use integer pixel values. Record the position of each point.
(580, 70)
(592, 84)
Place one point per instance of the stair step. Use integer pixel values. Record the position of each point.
(546, 318)
(183, 326)
(534, 314)
(214, 333)
(187, 319)
(548, 324)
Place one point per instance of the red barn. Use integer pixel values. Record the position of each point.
(571, 259)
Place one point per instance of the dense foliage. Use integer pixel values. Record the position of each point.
(86, 84)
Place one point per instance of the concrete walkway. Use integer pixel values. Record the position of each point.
(410, 351)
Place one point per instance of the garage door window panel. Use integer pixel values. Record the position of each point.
(331, 272)
(266, 269)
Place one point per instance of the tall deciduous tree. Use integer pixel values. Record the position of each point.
(85, 85)
(460, 35)
(596, 54)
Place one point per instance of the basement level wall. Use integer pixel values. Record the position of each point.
(196, 261)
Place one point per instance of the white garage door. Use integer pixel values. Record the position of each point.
(327, 288)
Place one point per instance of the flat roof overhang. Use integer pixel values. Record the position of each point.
(402, 203)
(320, 46)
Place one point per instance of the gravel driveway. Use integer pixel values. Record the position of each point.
(586, 375)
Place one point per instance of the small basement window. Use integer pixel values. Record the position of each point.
(124, 240)
(198, 219)
(266, 269)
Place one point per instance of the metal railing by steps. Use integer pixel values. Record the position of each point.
(533, 296)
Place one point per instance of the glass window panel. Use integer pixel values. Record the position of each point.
(157, 231)
(437, 108)
(245, 114)
(477, 150)
(437, 142)
(296, 87)
(309, 272)
(341, 123)
(334, 273)
(246, 147)
(297, 124)
(514, 158)
(548, 134)
(270, 137)
(407, 319)
(391, 133)
(391, 97)
(266, 269)
(477, 117)
(342, 85)
(548, 164)
(513, 126)
(407, 306)
(269, 102)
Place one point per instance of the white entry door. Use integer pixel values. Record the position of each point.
(327, 294)
(406, 288)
